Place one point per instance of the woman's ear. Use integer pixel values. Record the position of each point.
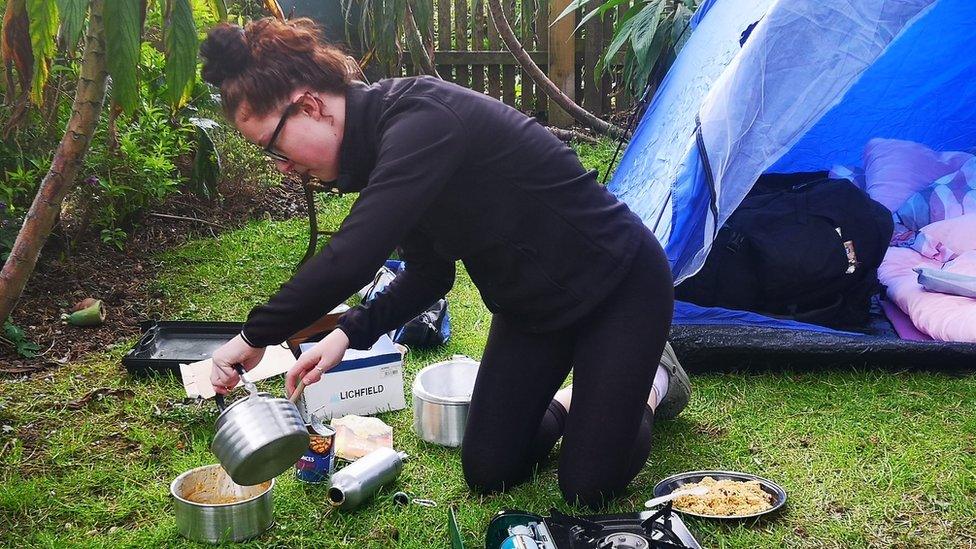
(314, 106)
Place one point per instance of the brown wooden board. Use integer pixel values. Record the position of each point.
(622, 97)
(428, 34)
(508, 71)
(444, 36)
(462, 74)
(542, 43)
(578, 78)
(477, 43)
(494, 71)
(605, 82)
(562, 60)
(527, 102)
(503, 57)
(593, 46)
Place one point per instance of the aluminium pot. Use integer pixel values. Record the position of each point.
(210, 507)
(259, 436)
(441, 398)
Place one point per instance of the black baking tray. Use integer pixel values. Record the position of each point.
(166, 344)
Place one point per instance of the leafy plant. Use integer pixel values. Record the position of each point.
(18, 184)
(206, 160)
(8, 230)
(381, 24)
(651, 30)
(137, 167)
(114, 32)
(114, 237)
(240, 161)
(14, 336)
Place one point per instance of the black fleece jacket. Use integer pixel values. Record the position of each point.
(445, 173)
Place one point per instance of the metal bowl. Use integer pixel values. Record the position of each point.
(210, 507)
(675, 482)
(441, 397)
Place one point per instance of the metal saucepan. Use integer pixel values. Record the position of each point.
(211, 508)
(441, 398)
(259, 436)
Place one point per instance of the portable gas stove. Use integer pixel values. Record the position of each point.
(662, 529)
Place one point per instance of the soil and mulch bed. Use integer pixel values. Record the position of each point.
(121, 278)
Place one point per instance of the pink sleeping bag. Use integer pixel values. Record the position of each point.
(943, 317)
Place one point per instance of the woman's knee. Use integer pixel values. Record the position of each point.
(477, 474)
(485, 473)
(483, 476)
(580, 492)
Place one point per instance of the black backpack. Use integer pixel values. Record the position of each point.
(428, 329)
(800, 246)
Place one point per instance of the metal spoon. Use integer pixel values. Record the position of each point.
(248, 384)
(696, 491)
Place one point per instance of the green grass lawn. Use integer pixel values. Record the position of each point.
(869, 459)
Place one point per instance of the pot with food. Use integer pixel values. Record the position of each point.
(211, 507)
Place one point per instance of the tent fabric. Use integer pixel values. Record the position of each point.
(713, 348)
(922, 89)
(812, 84)
(746, 127)
(726, 112)
(657, 173)
(767, 86)
(689, 313)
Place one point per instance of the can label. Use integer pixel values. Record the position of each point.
(316, 465)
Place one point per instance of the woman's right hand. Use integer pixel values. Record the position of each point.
(321, 358)
(223, 376)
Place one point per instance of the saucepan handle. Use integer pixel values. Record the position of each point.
(219, 398)
(299, 389)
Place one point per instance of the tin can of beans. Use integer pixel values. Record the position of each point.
(317, 464)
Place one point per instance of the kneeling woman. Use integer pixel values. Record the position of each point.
(572, 277)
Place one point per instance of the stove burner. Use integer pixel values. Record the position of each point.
(624, 541)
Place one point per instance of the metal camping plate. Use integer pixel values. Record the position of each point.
(675, 482)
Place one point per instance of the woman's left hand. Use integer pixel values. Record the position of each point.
(321, 358)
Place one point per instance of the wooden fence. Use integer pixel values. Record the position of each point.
(469, 52)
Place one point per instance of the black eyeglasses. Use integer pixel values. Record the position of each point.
(289, 110)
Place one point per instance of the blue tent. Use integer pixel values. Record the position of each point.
(767, 86)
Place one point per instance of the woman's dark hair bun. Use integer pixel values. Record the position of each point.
(225, 53)
(262, 64)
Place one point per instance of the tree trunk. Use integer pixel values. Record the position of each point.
(68, 157)
(418, 51)
(581, 115)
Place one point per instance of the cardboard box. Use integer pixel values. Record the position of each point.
(365, 382)
(196, 376)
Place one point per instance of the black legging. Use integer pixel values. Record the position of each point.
(614, 352)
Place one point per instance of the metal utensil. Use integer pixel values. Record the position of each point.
(403, 498)
(260, 436)
(697, 491)
(252, 389)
